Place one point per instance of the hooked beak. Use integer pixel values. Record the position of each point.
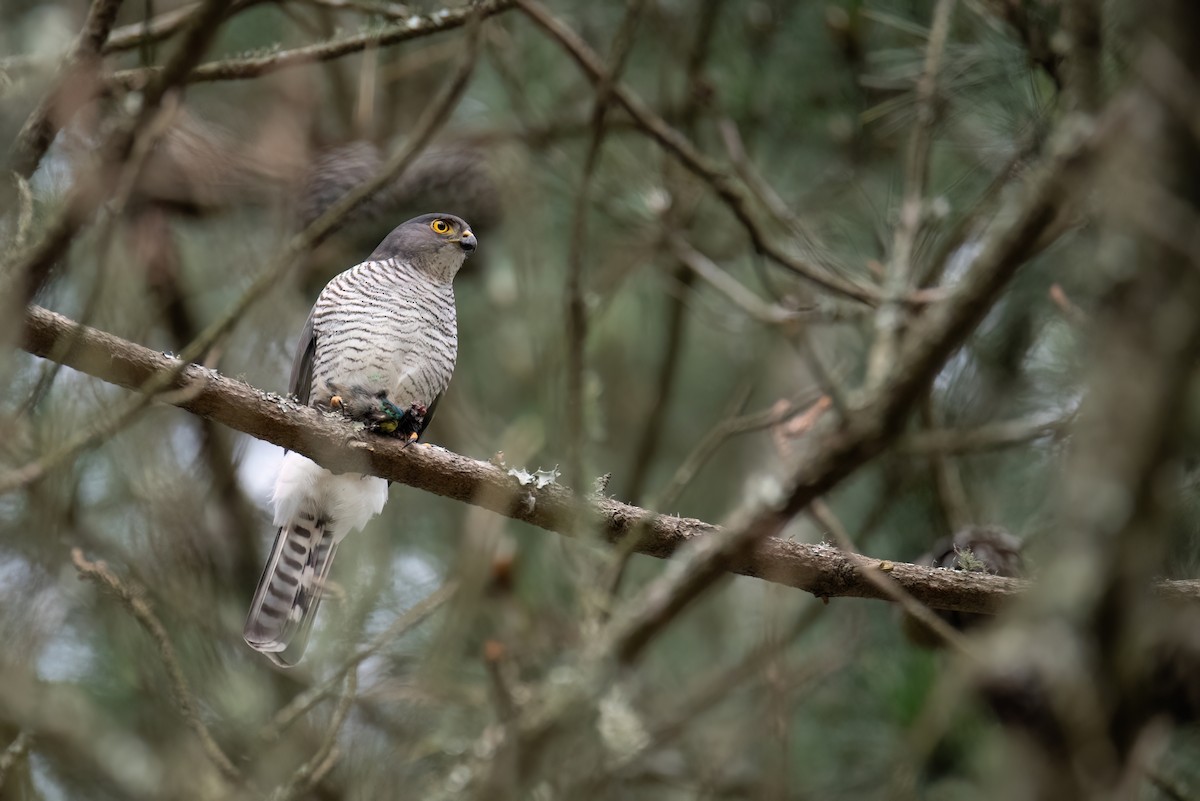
(468, 242)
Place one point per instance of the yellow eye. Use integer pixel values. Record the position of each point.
(440, 227)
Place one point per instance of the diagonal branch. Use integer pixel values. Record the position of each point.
(29, 270)
(39, 130)
(133, 600)
(868, 428)
(728, 188)
(415, 27)
(338, 445)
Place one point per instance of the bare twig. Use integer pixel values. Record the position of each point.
(986, 437)
(415, 27)
(759, 187)
(724, 185)
(65, 718)
(739, 295)
(132, 598)
(890, 319)
(25, 212)
(15, 750)
(308, 775)
(878, 417)
(711, 690)
(677, 216)
(126, 37)
(162, 26)
(948, 486)
(306, 700)
(30, 269)
(576, 307)
(39, 130)
(94, 435)
(664, 385)
(722, 432)
(876, 571)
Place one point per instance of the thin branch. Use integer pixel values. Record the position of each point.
(876, 572)
(65, 718)
(131, 597)
(39, 129)
(341, 446)
(576, 307)
(30, 269)
(162, 26)
(679, 215)
(415, 27)
(891, 317)
(758, 309)
(306, 700)
(758, 186)
(878, 417)
(308, 775)
(125, 37)
(664, 386)
(722, 432)
(992, 436)
(16, 749)
(715, 688)
(726, 187)
(949, 488)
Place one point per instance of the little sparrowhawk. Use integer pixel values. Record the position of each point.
(379, 346)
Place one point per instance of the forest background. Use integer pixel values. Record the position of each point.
(787, 294)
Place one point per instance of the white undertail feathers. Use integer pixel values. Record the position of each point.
(314, 510)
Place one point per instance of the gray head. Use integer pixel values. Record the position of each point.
(435, 243)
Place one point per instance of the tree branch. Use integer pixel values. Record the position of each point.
(131, 597)
(891, 318)
(39, 130)
(867, 429)
(339, 445)
(728, 188)
(415, 27)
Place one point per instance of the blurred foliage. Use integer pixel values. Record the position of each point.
(822, 98)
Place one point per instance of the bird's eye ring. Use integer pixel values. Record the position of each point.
(440, 227)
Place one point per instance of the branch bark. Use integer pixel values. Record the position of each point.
(339, 445)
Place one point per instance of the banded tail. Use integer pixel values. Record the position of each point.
(314, 510)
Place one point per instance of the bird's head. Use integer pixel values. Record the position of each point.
(435, 243)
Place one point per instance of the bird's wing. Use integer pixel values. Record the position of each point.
(301, 381)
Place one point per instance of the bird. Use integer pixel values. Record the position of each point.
(975, 548)
(379, 347)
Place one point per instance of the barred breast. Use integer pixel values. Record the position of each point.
(385, 325)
